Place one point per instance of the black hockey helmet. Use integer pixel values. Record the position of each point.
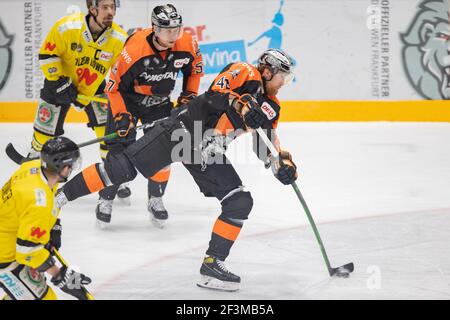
(95, 3)
(166, 16)
(58, 153)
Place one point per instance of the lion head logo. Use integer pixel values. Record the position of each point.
(5, 55)
(426, 52)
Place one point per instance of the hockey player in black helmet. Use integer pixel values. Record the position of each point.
(240, 99)
(60, 156)
(166, 23)
(160, 53)
(30, 227)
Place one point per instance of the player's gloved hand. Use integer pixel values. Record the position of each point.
(61, 92)
(55, 236)
(71, 282)
(123, 123)
(285, 169)
(250, 110)
(185, 97)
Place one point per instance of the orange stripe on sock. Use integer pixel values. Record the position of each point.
(161, 176)
(92, 179)
(226, 230)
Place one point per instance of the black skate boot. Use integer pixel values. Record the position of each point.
(158, 213)
(124, 193)
(214, 275)
(103, 212)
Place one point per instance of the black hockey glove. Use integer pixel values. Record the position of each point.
(251, 110)
(285, 170)
(55, 236)
(71, 282)
(123, 123)
(61, 92)
(185, 97)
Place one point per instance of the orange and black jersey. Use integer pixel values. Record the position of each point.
(144, 77)
(212, 109)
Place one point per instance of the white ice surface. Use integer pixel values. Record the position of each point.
(379, 192)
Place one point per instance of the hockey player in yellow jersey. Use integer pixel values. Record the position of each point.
(29, 226)
(75, 58)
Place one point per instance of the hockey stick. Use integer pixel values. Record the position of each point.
(15, 156)
(65, 264)
(342, 271)
(96, 99)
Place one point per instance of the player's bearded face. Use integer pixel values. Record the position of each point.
(106, 12)
(167, 36)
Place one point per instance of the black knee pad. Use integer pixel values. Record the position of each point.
(119, 168)
(238, 206)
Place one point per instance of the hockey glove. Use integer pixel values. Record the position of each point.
(55, 236)
(185, 97)
(61, 92)
(71, 282)
(123, 123)
(250, 109)
(285, 170)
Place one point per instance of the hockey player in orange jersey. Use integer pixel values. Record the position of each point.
(241, 98)
(140, 89)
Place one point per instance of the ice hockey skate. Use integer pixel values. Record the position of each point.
(103, 213)
(214, 275)
(158, 213)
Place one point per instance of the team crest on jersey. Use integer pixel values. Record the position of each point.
(76, 47)
(235, 73)
(268, 111)
(34, 171)
(179, 63)
(45, 114)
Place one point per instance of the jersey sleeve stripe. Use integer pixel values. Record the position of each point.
(70, 26)
(44, 62)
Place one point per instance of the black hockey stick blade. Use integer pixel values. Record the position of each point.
(13, 154)
(342, 271)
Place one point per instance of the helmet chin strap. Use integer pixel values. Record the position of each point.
(96, 21)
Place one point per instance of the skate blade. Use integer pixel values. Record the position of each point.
(158, 223)
(101, 225)
(125, 201)
(216, 284)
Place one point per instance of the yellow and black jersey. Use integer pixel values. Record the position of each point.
(144, 77)
(27, 215)
(71, 50)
